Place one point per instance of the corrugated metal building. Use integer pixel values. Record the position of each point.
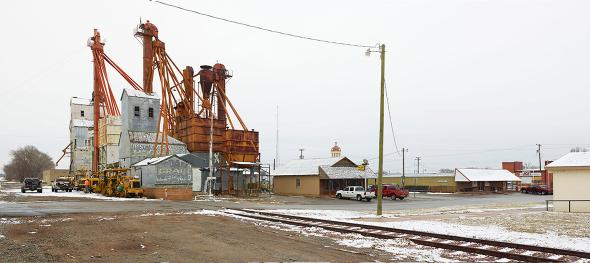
(168, 177)
(81, 123)
(139, 119)
(110, 133)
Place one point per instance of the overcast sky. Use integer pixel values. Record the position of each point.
(471, 83)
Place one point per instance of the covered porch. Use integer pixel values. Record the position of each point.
(333, 179)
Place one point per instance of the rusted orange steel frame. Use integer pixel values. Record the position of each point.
(166, 67)
(131, 82)
(64, 152)
(103, 97)
(237, 116)
(231, 124)
(233, 109)
(106, 93)
(178, 92)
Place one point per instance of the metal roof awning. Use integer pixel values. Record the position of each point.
(246, 164)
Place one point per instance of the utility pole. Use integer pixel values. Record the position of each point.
(381, 114)
(416, 175)
(301, 153)
(540, 168)
(277, 143)
(211, 169)
(404, 150)
(381, 124)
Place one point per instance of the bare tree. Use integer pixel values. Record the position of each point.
(27, 161)
(578, 149)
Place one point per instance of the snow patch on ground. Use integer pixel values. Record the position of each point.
(74, 194)
(10, 221)
(548, 239)
(402, 249)
(156, 214)
(331, 214)
(491, 232)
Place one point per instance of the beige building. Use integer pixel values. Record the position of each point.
(571, 179)
(108, 141)
(51, 174)
(319, 177)
(430, 182)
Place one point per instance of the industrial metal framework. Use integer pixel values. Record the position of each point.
(198, 116)
(197, 113)
(104, 102)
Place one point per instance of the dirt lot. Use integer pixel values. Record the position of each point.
(161, 238)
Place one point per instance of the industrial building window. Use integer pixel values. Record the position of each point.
(151, 112)
(297, 183)
(82, 113)
(136, 111)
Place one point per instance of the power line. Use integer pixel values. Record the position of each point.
(263, 28)
(390, 122)
(466, 153)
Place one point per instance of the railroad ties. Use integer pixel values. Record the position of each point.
(498, 249)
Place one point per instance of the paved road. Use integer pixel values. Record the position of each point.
(421, 201)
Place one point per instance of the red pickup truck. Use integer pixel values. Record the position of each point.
(392, 191)
(536, 189)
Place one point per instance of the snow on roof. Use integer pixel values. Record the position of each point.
(484, 175)
(156, 160)
(80, 101)
(193, 160)
(575, 159)
(150, 137)
(305, 166)
(140, 94)
(412, 175)
(347, 172)
(247, 163)
(82, 123)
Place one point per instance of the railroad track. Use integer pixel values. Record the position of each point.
(498, 249)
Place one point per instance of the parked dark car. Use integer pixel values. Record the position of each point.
(537, 189)
(32, 184)
(63, 184)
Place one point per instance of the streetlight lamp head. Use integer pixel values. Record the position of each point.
(368, 52)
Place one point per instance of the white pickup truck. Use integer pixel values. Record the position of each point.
(355, 192)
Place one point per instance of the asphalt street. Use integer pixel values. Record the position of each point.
(54, 206)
